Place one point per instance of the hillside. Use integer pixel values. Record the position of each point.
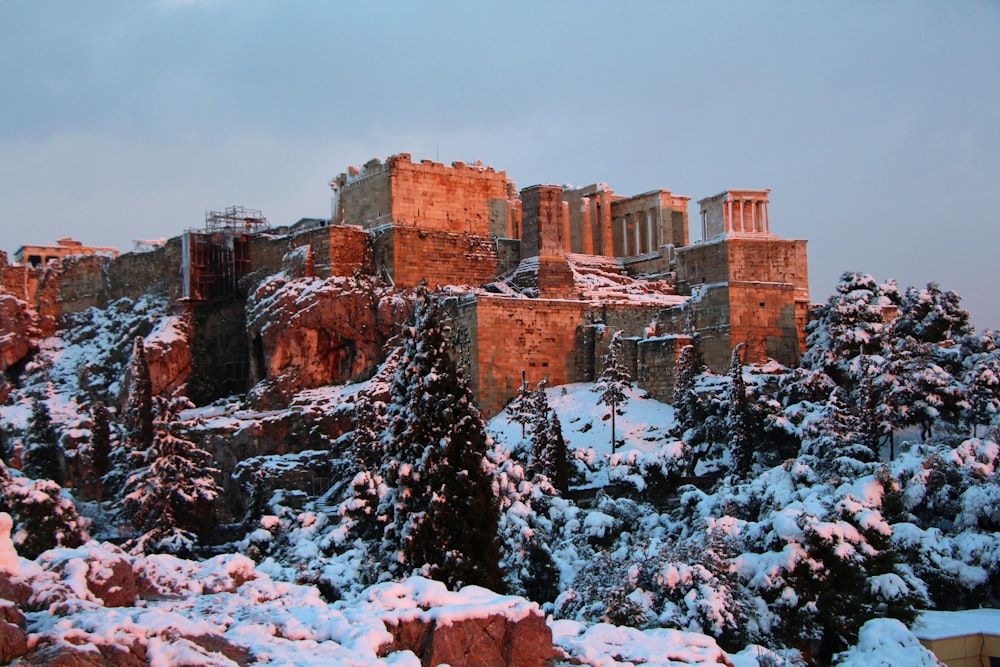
(810, 511)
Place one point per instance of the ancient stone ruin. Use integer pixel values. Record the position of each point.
(537, 279)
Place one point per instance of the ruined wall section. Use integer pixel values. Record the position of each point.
(157, 272)
(85, 283)
(94, 281)
(457, 199)
(350, 251)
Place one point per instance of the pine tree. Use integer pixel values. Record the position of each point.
(43, 518)
(440, 510)
(983, 381)
(613, 381)
(43, 457)
(139, 400)
(170, 499)
(740, 438)
(850, 325)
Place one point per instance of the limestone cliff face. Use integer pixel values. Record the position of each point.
(308, 332)
(168, 353)
(17, 331)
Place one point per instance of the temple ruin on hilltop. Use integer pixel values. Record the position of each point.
(550, 273)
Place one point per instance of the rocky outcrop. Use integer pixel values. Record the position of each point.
(13, 642)
(16, 337)
(472, 626)
(168, 354)
(309, 332)
(492, 641)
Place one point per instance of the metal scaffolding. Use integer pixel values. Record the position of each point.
(236, 219)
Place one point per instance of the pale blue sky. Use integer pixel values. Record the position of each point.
(875, 124)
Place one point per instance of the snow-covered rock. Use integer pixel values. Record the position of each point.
(8, 555)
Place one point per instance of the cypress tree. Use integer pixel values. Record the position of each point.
(139, 400)
(520, 408)
(440, 511)
(100, 438)
(549, 451)
(43, 457)
(740, 439)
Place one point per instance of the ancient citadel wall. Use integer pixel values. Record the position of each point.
(750, 290)
(559, 340)
(366, 195)
(455, 199)
(656, 364)
(413, 257)
(769, 297)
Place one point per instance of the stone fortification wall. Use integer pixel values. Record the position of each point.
(706, 314)
(702, 264)
(411, 257)
(84, 283)
(544, 219)
(657, 365)
(459, 198)
(20, 281)
(267, 252)
(366, 196)
(769, 297)
(753, 291)
(560, 340)
(456, 199)
(536, 335)
(350, 250)
(136, 273)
